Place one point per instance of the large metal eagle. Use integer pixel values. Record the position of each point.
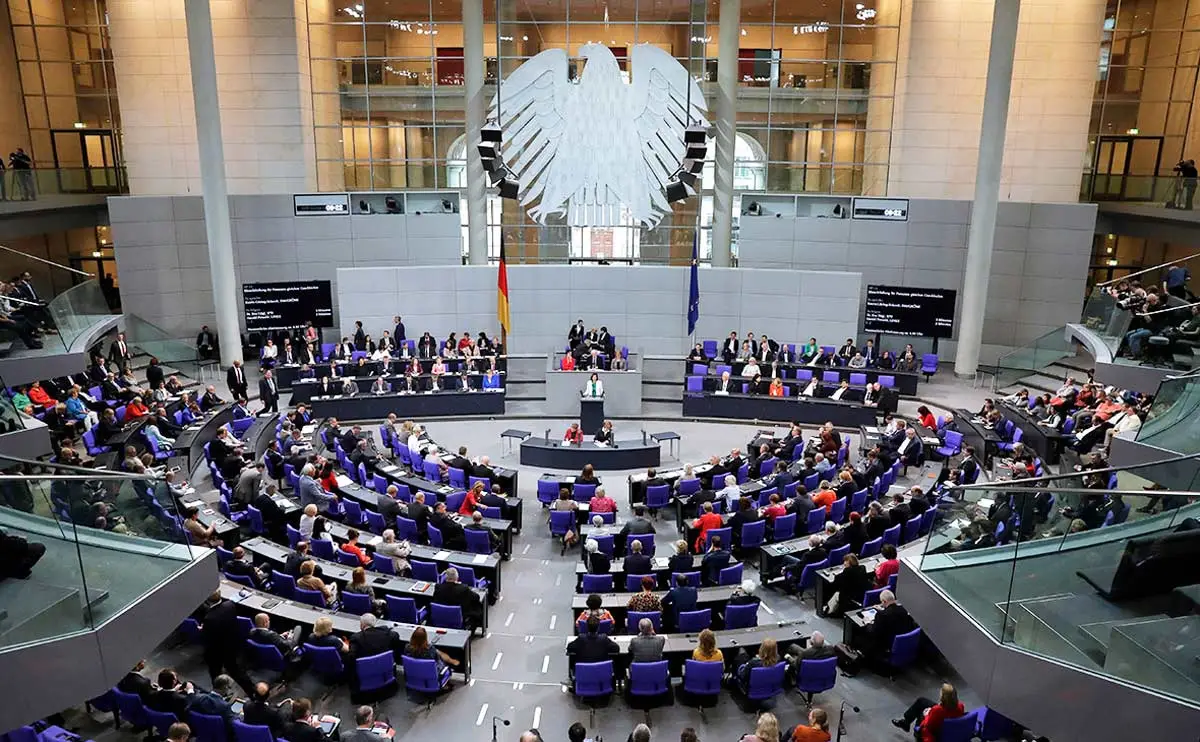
(587, 149)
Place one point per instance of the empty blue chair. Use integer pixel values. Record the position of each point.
(635, 617)
(376, 675)
(435, 535)
(816, 521)
(808, 576)
(375, 522)
(892, 536)
(929, 364)
(243, 580)
(593, 682)
(702, 682)
(445, 616)
(609, 518)
(837, 511)
(243, 732)
(347, 559)
(858, 501)
(649, 683)
(424, 571)
(1117, 516)
(912, 528)
(406, 528)
(456, 477)
(731, 575)
(160, 721)
(454, 501)
(547, 491)
(583, 492)
(688, 487)
(871, 597)
(493, 513)
(871, 548)
(783, 528)
(743, 473)
(904, 650)
(326, 663)
(765, 683)
(657, 497)
(432, 471)
(561, 521)
(928, 516)
(130, 708)
(597, 583)
(831, 377)
(351, 512)
(837, 555)
(322, 548)
(283, 585)
(951, 444)
(208, 727)
(423, 679)
(691, 622)
(404, 610)
(311, 597)
(816, 676)
(741, 616)
(754, 533)
(356, 603)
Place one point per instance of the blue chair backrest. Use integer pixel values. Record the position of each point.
(311, 597)
(605, 542)
(741, 616)
(695, 383)
(633, 583)
(962, 729)
(325, 661)
(817, 675)
(403, 610)
(871, 597)
(635, 617)
(649, 678)
(892, 535)
(871, 548)
(836, 556)
(583, 492)
(377, 671)
(658, 496)
(561, 521)
(904, 648)
(547, 491)
(702, 678)
(754, 533)
(283, 585)
(265, 655)
(725, 534)
(816, 520)
(421, 675)
(432, 471)
(406, 528)
(837, 511)
(424, 571)
(594, 679)
(597, 583)
(691, 622)
(130, 706)
(647, 540)
(356, 603)
(784, 527)
(478, 542)
(435, 535)
(207, 727)
(243, 732)
(731, 575)
(766, 682)
(445, 616)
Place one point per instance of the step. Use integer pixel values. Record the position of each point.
(1100, 633)
(5, 347)
(1065, 617)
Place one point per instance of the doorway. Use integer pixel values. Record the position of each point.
(85, 160)
(1125, 168)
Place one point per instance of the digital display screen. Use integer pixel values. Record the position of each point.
(881, 209)
(287, 305)
(321, 204)
(901, 310)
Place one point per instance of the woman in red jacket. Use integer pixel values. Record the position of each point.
(471, 501)
(930, 715)
(706, 522)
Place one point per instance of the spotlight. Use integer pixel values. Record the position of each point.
(692, 166)
(695, 135)
(688, 179)
(489, 150)
(676, 191)
(490, 133)
(509, 187)
(498, 174)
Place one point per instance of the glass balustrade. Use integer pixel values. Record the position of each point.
(31, 185)
(75, 310)
(1025, 360)
(102, 540)
(1174, 420)
(1093, 569)
(157, 342)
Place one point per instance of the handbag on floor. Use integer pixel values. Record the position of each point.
(849, 660)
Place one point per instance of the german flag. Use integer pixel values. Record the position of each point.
(502, 291)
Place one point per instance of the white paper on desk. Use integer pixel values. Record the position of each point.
(661, 562)
(308, 429)
(985, 502)
(479, 559)
(344, 481)
(931, 441)
(441, 555)
(193, 504)
(722, 392)
(570, 479)
(375, 541)
(870, 430)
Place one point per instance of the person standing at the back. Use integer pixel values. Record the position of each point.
(22, 166)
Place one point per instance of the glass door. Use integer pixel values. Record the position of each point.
(85, 160)
(1125, 168)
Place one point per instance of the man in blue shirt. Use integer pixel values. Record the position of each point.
(680, 599)
(1175, 282)
(216, 702)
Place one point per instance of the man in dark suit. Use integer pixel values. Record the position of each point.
(782, 476)
(372, 640)
(453, 535)
(260, 711)
(235, 378)
(272, 515)
(891, 621)
(592, 646)
(364, 722)
(240, 567)
(637, 526)
(217, 701)
(389, 506)
(119, 352)
(264, 634)
(911, 449)
(900, 513)
(165, 423)
(889, 400)
(419, 512)
(222, 639)
(483, 470)
(637, 563)
(714, 561)
(206, 343)
(172, 695)
(301, 728)
(493, 499)
(398, 331)
(679, 599)
(477, 524)
(460, 461)
(268, 392)
(652, 478)
(292, 565)
(452, 592)
(137, 683)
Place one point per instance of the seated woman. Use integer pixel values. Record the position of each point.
(926, 418)
(594, 610)
(848, 587)
(816, 730)
(706, 650)
(136, 409)
(930, 716)
(776, 389)
(268, 355)
(419, 648)
(491, 379)
(768, 656)
(619, 362)
(602, 503)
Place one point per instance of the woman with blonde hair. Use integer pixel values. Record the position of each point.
(707, 651)
(768, 656)
(766, 730)
(929, 716)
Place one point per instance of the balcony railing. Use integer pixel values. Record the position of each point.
(30, 185)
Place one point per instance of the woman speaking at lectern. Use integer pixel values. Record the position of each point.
(594, 387)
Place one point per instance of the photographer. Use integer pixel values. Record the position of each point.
(1187, 174)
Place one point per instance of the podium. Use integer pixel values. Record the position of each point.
(591, 414)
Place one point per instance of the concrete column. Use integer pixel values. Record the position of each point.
(982, 233)
(476, 107)
(198, 15)
(725, 123)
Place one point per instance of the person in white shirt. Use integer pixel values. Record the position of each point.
(811, 389)
(307, 519)
(270, 352)
(595, 387)
(381, 354)
(840, 391)
(751, 370)
(414, 442)
(730, 492)
(1130, 422)
(1020, 397)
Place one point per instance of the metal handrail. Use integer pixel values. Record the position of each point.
(1053, 477)
(83, 470)
(48, 262)
(1147, 270)
(1168, 309)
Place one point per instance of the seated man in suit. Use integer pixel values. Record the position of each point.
(260, 711)
(637, 563)
(173, 695)
(298, 557)
(364, 722)
(453, 536)
(813, 648)
(372, 639)
(890, 621)
(679, 599)
(272, 515)
(591, 646)
(493, 499)
(477, 524)
(263, 634)
(217, 702)
(714, 561)
(239, 566)
(454, 593)
(910, 449)
(388, 505)
(137, 683)
(304, 727)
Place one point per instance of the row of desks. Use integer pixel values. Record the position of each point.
(678, 648)
(803, 410)
(304, 390)
(424, 404)
(906, 382)
(288, 374)
(618, 603)
(287, 613)
(403, 587)
(617, 570)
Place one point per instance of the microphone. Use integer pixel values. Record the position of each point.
(494, 720)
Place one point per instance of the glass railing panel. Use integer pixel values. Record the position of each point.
(179, 354)
(1174, 420)
(77, 309)
(1106, 318)
(1025, 360)
(1079, 572)
(30, 185)
(1158, 190)
(101, 541)
(10, 420)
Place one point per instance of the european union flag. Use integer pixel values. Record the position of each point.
(694, 294)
